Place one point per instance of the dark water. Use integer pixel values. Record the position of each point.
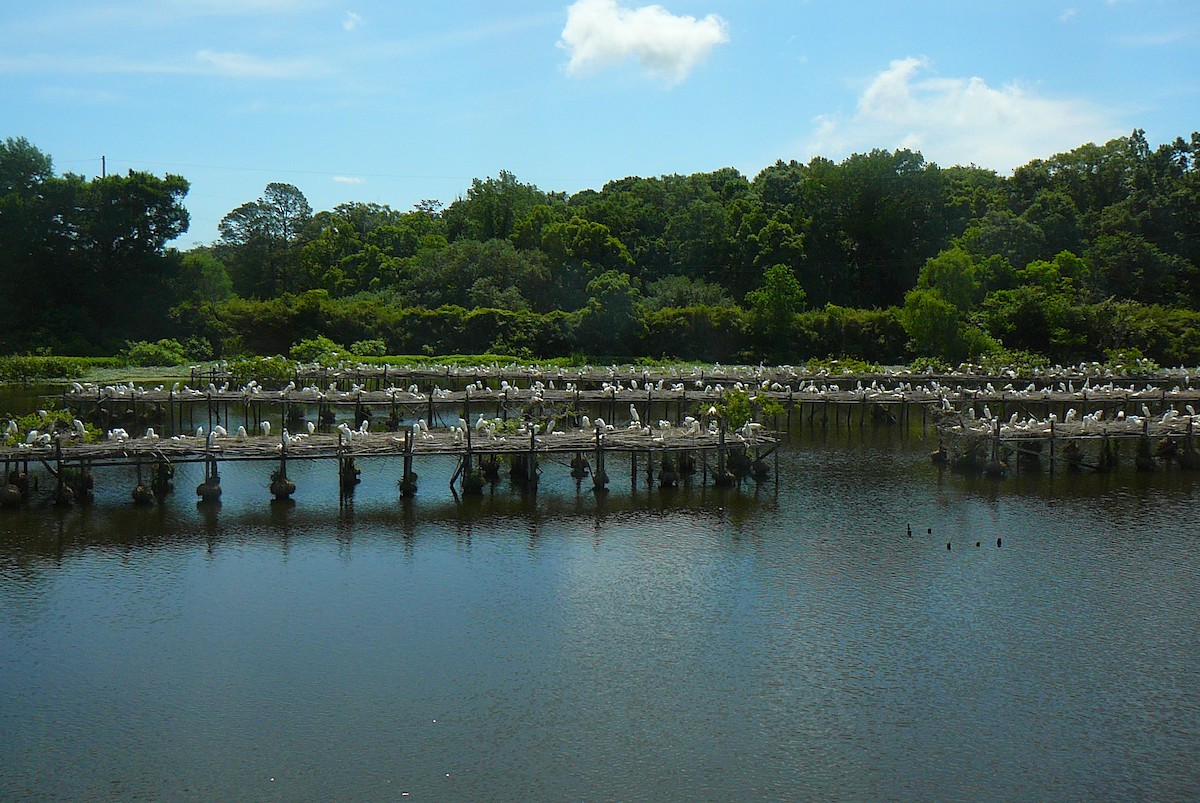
(778, 644)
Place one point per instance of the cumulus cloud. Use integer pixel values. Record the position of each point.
(961, 120)
(602, 33)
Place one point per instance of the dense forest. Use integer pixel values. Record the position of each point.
(1086, 255)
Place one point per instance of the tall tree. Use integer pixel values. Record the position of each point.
(261, 241)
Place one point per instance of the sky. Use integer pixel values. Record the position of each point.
(394, 102)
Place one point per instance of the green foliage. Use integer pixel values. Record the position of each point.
(268, 371)
(1024, 363)
(683, 291)
(319, 350)
(929, 365)
(1085, 251)
(936, 326)
(956, 276)
(162, 352)
(876, 335)
(737, 407)
(610, 324)
(368, 348)
(54, 422)
(29, 368)
(695, 333)
(843, 365)
(773, 308)
(1129, 361)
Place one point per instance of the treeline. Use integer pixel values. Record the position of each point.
(882, 256)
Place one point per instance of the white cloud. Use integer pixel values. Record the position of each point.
(352, 21)
(961, 120)
(242, 65)
(349, 180)
(602, 33)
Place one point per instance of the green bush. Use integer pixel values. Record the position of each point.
(368, 348)
(143, 353)
(318, 349)
(30, 368)
(268, 371)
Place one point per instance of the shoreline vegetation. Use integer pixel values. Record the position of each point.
(883, 258)
(55, 369)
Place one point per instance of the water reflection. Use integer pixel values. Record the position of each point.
(787, 641)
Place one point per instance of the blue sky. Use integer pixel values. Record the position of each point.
(395, 102)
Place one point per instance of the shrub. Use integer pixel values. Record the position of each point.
(368, 348)
(268, 371)
(319, 349)
(144, 353)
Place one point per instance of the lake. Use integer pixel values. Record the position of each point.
(773, 642)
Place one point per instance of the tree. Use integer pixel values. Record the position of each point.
(22, 166)
(610, 324)
(682, 291)
(261, 241)
(203, 278)
(97, 246)
(937, 328)
(493, 207)
(576, 252)
(955, 276)
(773, 308)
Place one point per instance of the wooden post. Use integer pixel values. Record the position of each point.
(1051, 448)
(789, 416)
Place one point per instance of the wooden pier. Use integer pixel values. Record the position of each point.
(1089, 442)
(667, 451)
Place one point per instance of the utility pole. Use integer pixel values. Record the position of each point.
(103, 168)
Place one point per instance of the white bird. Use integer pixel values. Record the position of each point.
(585, 422)
(199, 432)
(265, 427)
(364, 425)
(151, 434)
(311, 427)
(634, 418)
(241, 433)
(220, 431)
(80, 430)
(32, 436)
